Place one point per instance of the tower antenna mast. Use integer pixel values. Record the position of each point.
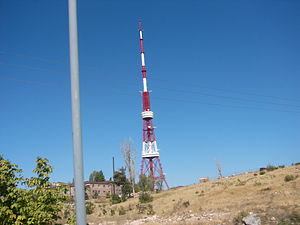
(151, 165)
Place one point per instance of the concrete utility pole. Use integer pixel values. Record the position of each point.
(75, 96)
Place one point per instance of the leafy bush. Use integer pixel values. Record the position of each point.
(262, 172)
(186, 204)
(115, 199)
(271, 168)
(112, 212)
(122, 211)
(39, 203)
(145, 197)
(89, 208)
(148, 209)
(238, 219)
(288, 178)
(146, 183)
(292, 218)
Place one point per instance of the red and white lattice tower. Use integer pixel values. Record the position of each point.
(151, 165)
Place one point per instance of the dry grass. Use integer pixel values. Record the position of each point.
(217, 201)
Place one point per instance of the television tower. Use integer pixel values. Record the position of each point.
(151, 165)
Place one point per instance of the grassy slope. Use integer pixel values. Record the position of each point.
(217, 201)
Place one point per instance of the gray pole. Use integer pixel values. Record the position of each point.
(75, 95)
(114, 188)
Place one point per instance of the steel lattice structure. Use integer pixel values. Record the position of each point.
(151, 165)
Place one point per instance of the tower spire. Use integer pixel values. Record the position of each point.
(151, 165)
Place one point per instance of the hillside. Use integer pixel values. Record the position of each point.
(272, 195)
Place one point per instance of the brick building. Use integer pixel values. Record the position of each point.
(94, 189)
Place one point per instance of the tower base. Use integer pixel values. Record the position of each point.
(151, 167)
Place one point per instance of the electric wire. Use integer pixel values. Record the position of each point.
(157, 98)
(155, 86)
(164, 80)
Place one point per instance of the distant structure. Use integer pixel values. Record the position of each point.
(94, 189)
(203, 179)
(151, 165)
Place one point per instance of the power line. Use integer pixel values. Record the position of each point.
(163, 80)
(170, 89)
(33, 68)
(226, 97)
(158, 98)
(34, 57)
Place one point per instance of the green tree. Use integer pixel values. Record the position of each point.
(146, 183)
(120, 179)
(10, 195)
(97, 176)
(39, 203)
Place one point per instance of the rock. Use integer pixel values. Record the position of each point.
(252, 219)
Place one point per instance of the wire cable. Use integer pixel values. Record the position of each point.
(158, 98)
(158, 79)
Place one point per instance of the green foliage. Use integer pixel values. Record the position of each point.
(97, 176)
(137, 188)
(146, 183)
(292, 218)
(238, 219)
(288, 178)
(145, 209)
(95, 195)
(271, 168)
(115, 199)
(112, 212)
(145, 197)
(38, 204)
(89, 208)
(122, 211)
(120, 177)
(186, 204)
(262, 172)
(121, 180)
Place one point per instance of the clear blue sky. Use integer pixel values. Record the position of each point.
(211, 65)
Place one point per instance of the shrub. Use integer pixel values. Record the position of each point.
(37, 203)
(122, 211)
(112, 212)
(238, 219)
(148, 209)
(141, 208)
(186, 204)
(288, 178)
(115, 199)
(290, 219)
(266, 189)
(145, 197)
(89, 208)
(271, 168)
(262, 172)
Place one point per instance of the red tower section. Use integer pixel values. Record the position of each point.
(151, 165)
